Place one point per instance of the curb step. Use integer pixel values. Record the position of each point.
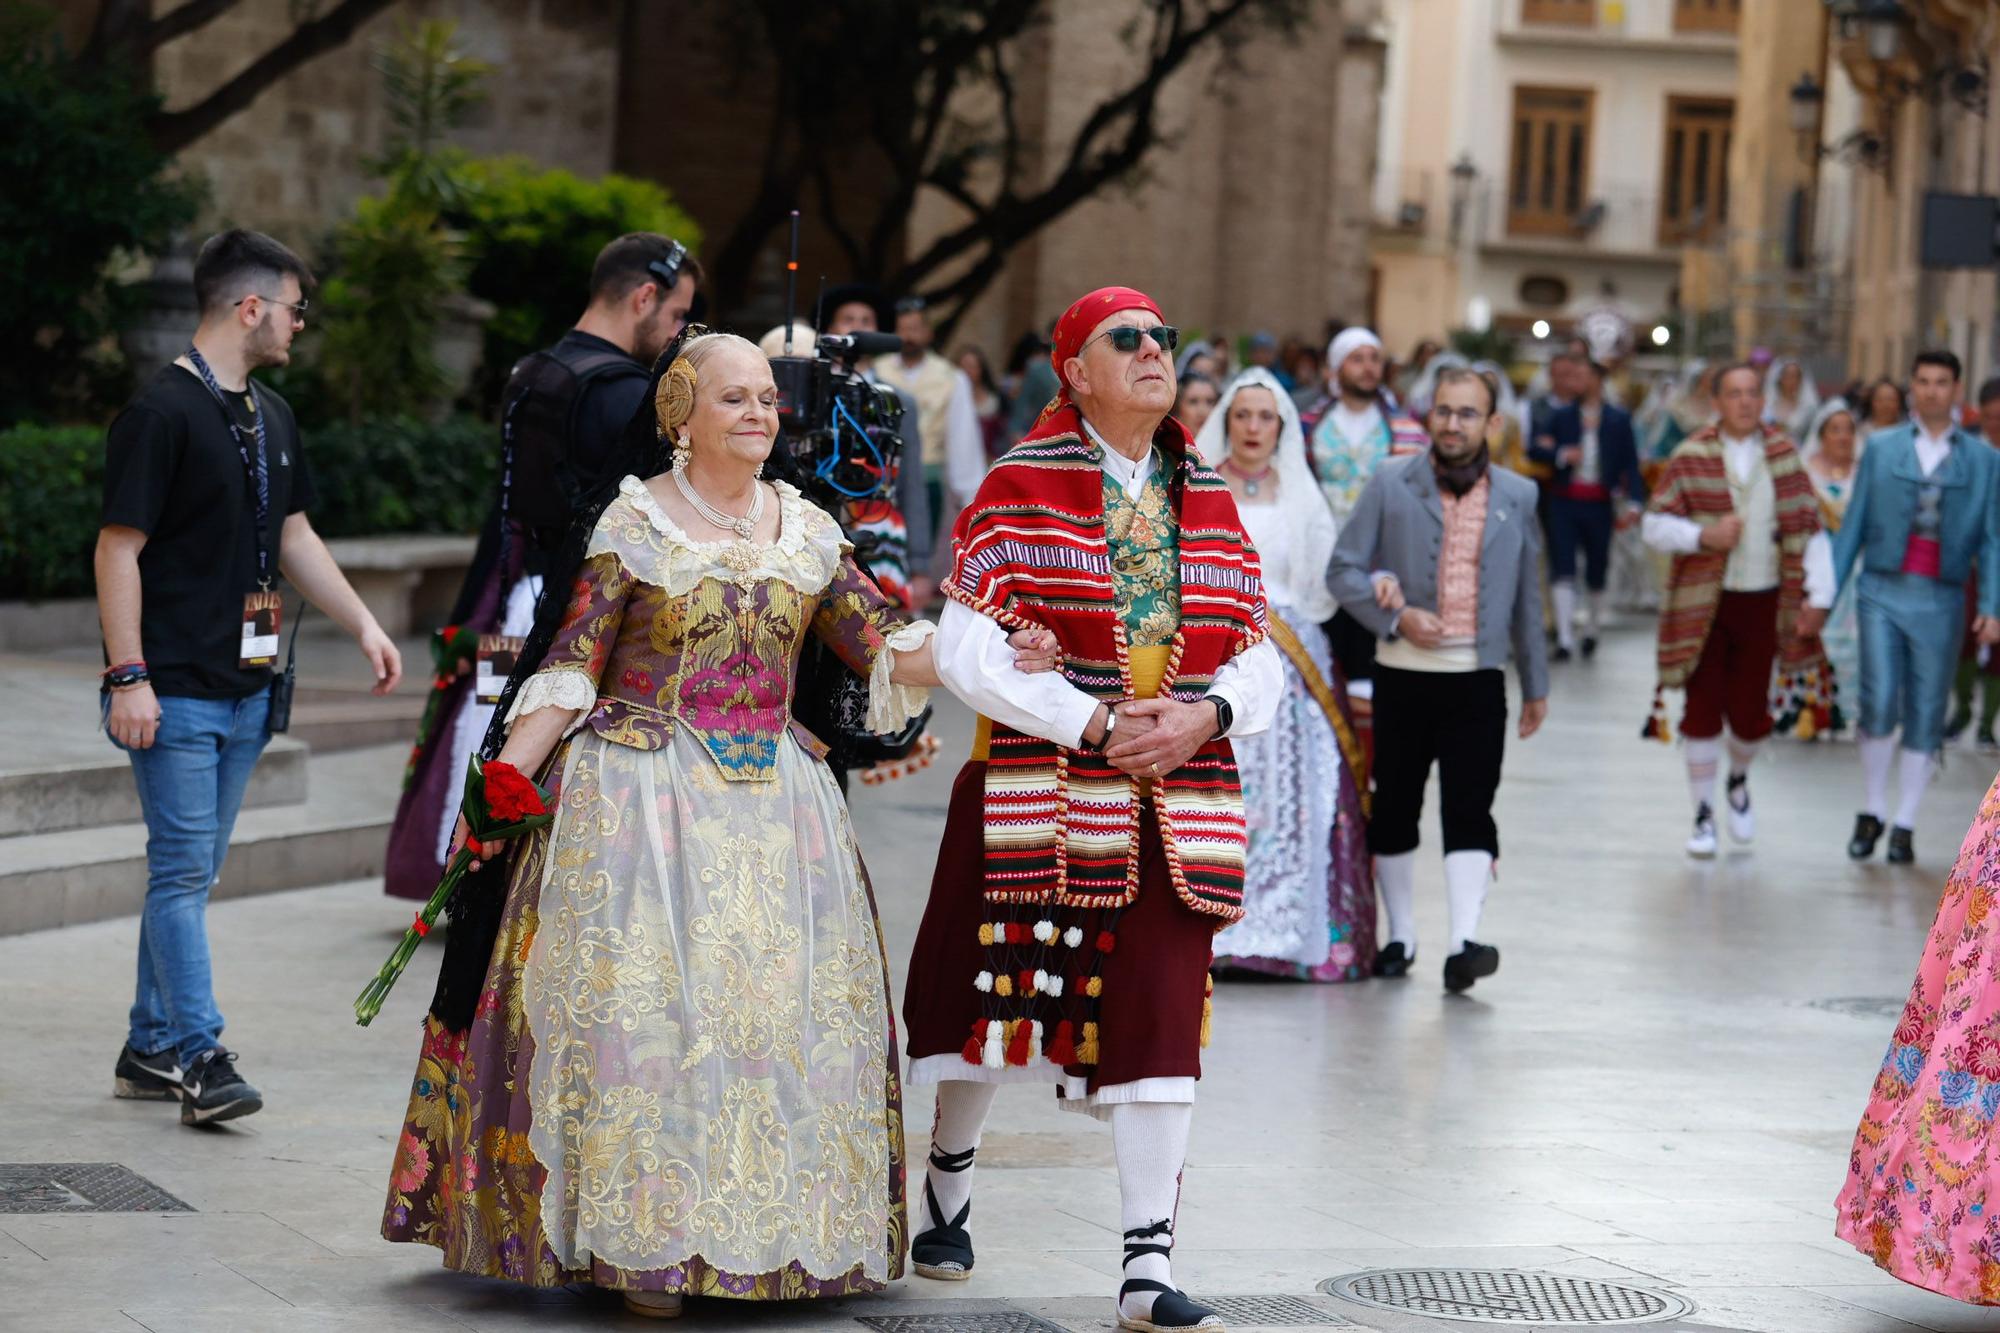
(100, 792)
(331, 720)
(337, 833)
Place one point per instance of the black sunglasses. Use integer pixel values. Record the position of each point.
(1125, 338)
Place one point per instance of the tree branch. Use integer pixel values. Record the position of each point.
(179, 22)
(174, 130)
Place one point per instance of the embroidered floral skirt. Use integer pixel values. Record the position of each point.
(680, 1076)
(1308, 881)
(1922, 1197)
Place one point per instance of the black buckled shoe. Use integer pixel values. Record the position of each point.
(1393, 960)
(1469, 964)
(147, 1078)
(212, 1090)
(1172, 1311)
(944, 1251)
(1867, 832)
(1901, 852)
(1589, 646)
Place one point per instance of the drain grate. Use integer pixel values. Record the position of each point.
(969, 1321)
(81, 1187)
(1272, 1312)
(1506, 1296)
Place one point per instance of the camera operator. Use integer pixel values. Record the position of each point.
(859, 308)
(562, 414)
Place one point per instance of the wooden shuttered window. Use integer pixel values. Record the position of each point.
(1572, 13)
(1694, 170)
(1548, 179)
(1707, 15)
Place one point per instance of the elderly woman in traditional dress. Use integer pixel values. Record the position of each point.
(678, 1077)
(1309, 891)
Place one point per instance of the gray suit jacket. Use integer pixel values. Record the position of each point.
(1398, 526)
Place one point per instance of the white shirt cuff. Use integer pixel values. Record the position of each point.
(1671, 533)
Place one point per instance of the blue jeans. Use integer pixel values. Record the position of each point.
(1911, 627)
(191, 785)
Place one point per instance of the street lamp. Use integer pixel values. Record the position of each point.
(1463, 173)
(1540, 328)
(1662, 335)
(1806, 99)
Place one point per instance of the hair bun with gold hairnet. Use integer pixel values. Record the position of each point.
(673, 398)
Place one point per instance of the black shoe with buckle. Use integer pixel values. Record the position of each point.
(944, 1250)
(1867, 832)
(1561, 654)
(1393, 960)
(212, 1090)
(1901, 852)
(1589, 646)
(147, 1078)
(1470, 963)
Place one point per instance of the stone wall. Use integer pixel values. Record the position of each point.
(294, 161)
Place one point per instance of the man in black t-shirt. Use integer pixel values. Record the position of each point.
(205, 493)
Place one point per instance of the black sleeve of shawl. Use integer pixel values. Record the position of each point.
(485, 567)
(468, 946)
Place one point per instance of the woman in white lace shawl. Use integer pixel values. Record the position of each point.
(1308, 887)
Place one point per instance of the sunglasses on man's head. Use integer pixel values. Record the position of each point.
(1125, 338)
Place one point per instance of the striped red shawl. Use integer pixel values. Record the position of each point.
(1030, 550)
(1696, 485)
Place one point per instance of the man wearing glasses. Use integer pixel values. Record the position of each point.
(1440, 560)
(1095, 842)
(205, 493)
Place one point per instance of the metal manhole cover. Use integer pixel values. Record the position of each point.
(80, 1187)
(1272, 1312)
(968, 1321)
(1506, 1296)
(1861, 1006)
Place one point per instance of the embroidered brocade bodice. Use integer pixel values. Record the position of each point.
(1144, 540)
(665, 633)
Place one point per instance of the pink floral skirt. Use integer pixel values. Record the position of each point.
(1921, 1198)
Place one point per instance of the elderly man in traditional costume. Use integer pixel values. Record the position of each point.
(1095, 841)
(1752, 573)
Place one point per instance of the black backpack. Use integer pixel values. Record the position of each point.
(541, 483)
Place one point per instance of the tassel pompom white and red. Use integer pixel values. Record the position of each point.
(994, 1055)
(1073, 937)
(983, 983)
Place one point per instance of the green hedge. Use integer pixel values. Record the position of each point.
(398, 475)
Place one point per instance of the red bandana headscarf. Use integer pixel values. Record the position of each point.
(1075, 326)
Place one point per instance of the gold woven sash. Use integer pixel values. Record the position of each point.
(1350, 745)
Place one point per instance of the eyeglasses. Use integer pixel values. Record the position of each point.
(1125, 338)
(1464, 416)
(298, 308)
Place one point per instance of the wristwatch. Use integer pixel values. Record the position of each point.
(1225, 716)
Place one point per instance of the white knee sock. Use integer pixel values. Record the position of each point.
(1914, 776)
(1466, 878)
(1396, 882)
(961, 1115)
(1877, 754)
(1563, 593)
(1593, 610)
(1150, 1139)
(1702, 757)
(1742, 754)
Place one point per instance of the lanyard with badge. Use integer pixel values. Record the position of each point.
(263, 606)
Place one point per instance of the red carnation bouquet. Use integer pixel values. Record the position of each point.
(500, 803)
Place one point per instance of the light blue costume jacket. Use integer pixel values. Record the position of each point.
(1877, 524)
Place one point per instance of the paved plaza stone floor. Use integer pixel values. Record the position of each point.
(1658, 1088)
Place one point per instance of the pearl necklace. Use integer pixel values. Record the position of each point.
(742, 527)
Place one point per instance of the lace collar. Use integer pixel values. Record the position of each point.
(657, 550)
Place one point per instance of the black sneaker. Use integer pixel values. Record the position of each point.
(1561, 654)
(1393, 960)
(1867, 832)
(1589, 647)
(146, 1078)
(1901, 852)
(1470, 963)
(212, 1090)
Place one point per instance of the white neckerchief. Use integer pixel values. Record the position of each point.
(1129, 473)
(1931, 449)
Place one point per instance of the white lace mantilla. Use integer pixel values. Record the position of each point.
(891, 705)
(655, 549)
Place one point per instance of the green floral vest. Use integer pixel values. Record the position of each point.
(1145, 557)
